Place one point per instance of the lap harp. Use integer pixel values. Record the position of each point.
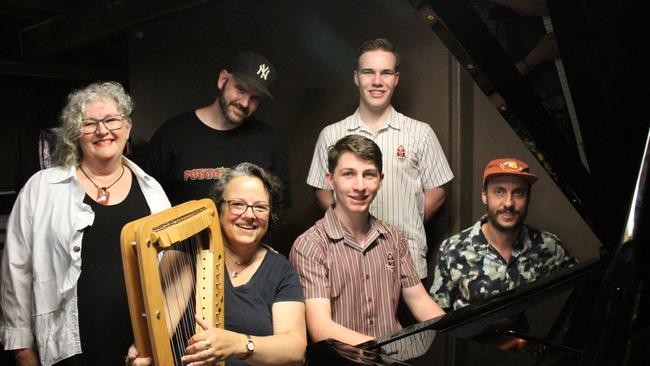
(173, 268)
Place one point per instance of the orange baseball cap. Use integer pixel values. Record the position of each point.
(508, 166)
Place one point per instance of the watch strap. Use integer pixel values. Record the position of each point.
(250, 347)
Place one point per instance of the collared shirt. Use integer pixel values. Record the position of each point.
(469, 268)
(412, 162)
(42, 261)
(363, 281)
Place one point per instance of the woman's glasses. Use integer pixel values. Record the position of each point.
(238, 207)
(112, 122)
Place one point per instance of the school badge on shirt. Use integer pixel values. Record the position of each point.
(401, 152)
(390, 262)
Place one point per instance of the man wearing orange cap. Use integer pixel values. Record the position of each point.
(499, 252)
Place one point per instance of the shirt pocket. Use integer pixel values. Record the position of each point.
(46, 296)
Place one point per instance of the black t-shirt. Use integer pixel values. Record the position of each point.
(248, 307)
(104, 322)
(186, 156)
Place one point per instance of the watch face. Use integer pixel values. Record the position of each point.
(250, 346)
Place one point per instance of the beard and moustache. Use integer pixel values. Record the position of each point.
(494, 214)
(224, 104)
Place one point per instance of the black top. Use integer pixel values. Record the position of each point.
(187, 157)
(104, 323)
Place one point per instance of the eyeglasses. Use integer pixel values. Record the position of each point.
(238, 207)
(112, 122)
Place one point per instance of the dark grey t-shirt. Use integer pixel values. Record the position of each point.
(248, 307)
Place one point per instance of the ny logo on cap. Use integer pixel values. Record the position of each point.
(263, 71)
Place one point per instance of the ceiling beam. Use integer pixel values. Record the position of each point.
(97, 20)
(23, 13)
(68, 72)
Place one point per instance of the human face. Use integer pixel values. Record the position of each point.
(506, 200)
(248, 228)
(355, 182)
(103, 145)
(238, 100)
(376, 79)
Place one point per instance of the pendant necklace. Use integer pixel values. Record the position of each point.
(245, 264)
(102, 192)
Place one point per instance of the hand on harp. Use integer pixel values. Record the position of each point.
(213, 345)
(132, 358)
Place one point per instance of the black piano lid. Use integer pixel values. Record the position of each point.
(605, 60)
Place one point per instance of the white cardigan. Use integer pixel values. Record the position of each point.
(42, 261)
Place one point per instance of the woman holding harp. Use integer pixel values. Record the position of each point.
(264, 305)
(265, 322)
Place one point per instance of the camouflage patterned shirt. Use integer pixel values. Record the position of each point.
(469, 269)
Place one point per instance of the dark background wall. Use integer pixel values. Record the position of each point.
(174, 64)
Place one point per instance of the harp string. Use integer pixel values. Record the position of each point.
(174, 295)
(178, 272)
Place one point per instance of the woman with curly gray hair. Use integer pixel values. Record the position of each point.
(62, 279)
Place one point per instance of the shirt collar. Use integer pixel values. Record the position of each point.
(63, 174)
(354, 122)
(336, 231)
(333, 226)
(521, 245)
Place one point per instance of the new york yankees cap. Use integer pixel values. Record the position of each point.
(254, 69)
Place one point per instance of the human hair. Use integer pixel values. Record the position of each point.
(359, 145)
(378, 44)
(68, 152)
(272, 185)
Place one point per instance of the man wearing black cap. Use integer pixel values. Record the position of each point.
(499, 252)
(190, 151)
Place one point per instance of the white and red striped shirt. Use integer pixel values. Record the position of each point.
(363, 281)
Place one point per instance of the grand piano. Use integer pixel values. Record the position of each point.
(585, 117)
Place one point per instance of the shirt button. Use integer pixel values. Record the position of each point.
(369, 300)
(76, 249)
(367, 277)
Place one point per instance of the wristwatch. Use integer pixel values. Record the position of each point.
(250, 347)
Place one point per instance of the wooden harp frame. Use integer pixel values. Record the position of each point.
(141, 242)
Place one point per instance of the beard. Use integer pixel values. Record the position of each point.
(225, 105)
(493, 218)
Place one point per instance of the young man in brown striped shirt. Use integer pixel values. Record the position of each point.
(352, 266)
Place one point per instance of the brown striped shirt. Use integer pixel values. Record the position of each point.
(413, 161)
(362, 280)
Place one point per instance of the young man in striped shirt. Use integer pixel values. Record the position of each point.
(415, 165)
(352, 266)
